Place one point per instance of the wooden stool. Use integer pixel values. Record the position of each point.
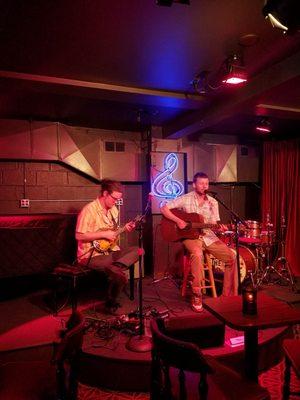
(291, 348)
(208, 281)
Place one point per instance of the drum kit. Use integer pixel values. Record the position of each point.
(262, 253)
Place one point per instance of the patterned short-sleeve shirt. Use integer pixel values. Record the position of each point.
(92, 218)
(209, 210)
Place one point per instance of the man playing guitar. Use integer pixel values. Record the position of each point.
(201, 203)
(98, 221)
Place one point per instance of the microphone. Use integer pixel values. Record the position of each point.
(210, 192)
(150, 196)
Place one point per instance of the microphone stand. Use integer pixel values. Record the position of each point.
(141, 342)
(237, 221)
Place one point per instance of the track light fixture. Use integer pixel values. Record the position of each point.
(264, 126)
(168, 3)
(236, 72)
(283, 14)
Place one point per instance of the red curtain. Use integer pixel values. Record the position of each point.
(281, 194)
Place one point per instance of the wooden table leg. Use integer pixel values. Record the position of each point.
(251, 354)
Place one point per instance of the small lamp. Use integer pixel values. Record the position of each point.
(249, 297)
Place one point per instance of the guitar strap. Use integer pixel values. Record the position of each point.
(114, 221)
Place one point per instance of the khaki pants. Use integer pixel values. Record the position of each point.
(220, 251)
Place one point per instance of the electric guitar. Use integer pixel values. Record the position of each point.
(104, 245)
(195, 222)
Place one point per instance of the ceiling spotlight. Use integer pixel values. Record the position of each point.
(264, 126)
(283, 14)
(236, 72)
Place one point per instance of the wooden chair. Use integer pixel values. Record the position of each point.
(291, 348)
(49, 379)
(180, 371)
(207, 283)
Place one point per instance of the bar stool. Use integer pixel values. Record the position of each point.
(291, 348)
(208, 281)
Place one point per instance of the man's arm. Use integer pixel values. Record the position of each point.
(84, 225)
(90, 236)
(166, 212)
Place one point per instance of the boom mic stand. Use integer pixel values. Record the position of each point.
(141, 342)
(237, 221)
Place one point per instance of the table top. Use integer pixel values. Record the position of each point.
(271, 312)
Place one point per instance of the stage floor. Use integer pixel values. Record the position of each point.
(29, 327)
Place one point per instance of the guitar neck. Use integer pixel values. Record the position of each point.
(121, 229)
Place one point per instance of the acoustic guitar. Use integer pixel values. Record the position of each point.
(195, 222)
(104, 245)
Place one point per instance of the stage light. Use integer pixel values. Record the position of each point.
(283, 14)
(264, 126)
(236, 73)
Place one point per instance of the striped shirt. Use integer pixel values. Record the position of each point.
(92, 218)
(209, 210)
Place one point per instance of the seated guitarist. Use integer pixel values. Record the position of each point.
(201, 203)
(98, 220)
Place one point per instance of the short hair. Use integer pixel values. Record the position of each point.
(199, 175)
(110, 186)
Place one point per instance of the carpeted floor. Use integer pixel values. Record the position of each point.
(272, 380)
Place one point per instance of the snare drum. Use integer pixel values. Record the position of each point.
(251, 234)
(253, 230)
(248, 262)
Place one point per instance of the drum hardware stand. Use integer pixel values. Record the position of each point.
(263, 255)
(237, 221)
(284, 274)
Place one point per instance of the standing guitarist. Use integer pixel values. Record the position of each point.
(201, 203)
(97, 222)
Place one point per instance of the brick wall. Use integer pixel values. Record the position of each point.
(53, 188)
(50, 187)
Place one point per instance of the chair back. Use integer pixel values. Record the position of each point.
(66, 357)
(170, 353)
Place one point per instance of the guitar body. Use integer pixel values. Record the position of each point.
(170, 231)
(103, 245)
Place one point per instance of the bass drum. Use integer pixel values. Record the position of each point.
(248, 262)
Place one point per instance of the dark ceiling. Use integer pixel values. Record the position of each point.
(128, 64)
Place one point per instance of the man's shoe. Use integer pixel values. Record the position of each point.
(197, 304)
(111, 307)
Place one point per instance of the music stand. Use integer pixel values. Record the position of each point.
(141, 342)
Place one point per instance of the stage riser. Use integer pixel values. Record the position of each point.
(113, 374)
(122, 370)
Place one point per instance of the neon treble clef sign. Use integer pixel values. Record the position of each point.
(164, 185)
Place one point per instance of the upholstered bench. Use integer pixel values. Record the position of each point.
(72, 273)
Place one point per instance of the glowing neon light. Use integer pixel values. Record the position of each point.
(164, 185)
